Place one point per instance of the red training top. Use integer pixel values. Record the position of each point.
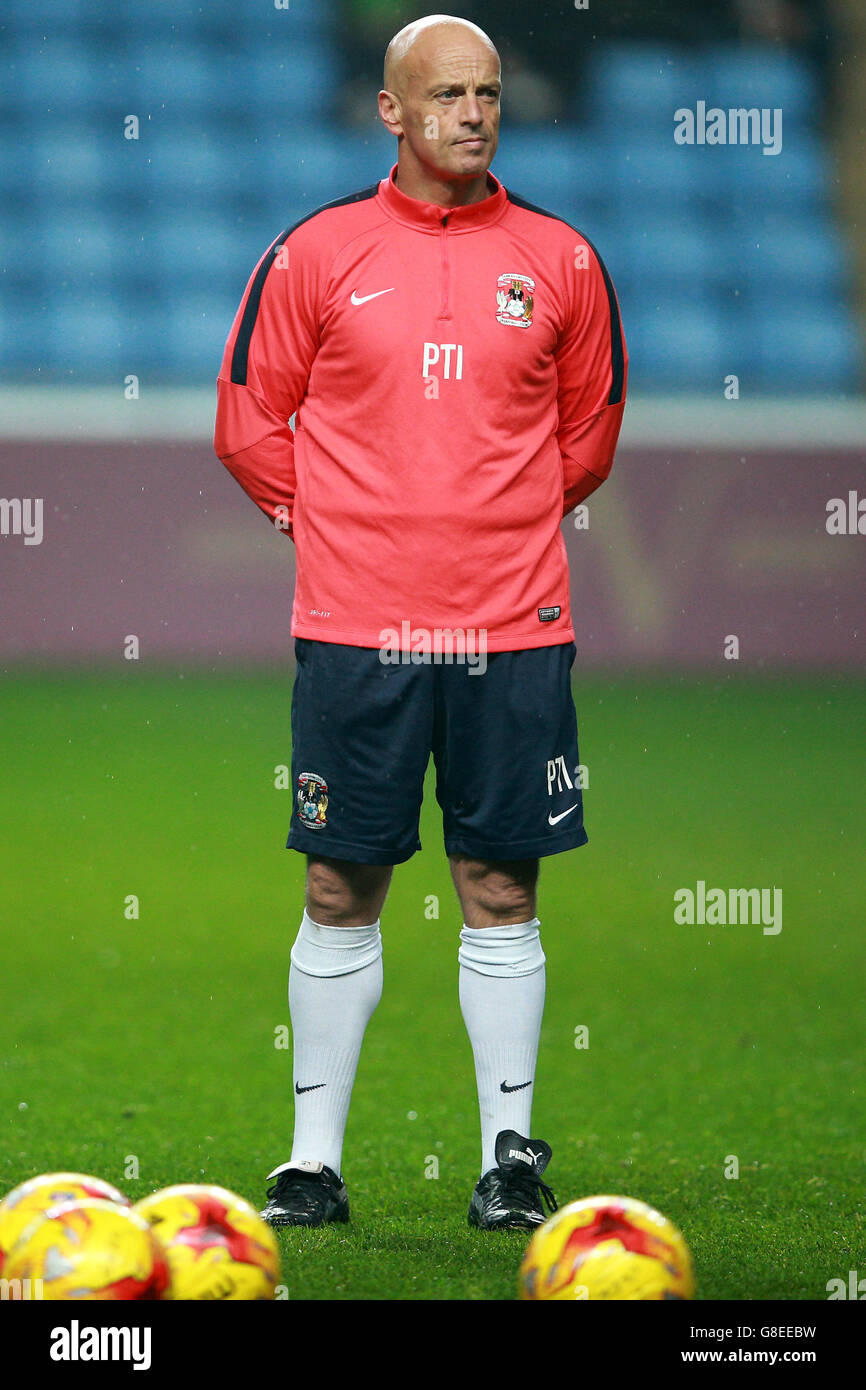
(459, 380)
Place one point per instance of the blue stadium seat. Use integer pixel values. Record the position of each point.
(16, 173)
(178, 75)
(719, 229)
(195, 330)
(49, 74)
(254, 235)
(716, 177)
(645, 172)
(24, 338)
(368, 156)
(187, 164)
(676, 347)
(73, 160)
(22, 267)
(299, 83)
(207, 22)
(145, 322)
(744, 178)
(50, 16)
(637, 87)
(85, 334)
(612, 242)
(666, 253)
(557, 171)
(129, 174)
(810, 348)
(761, 75)
(782, 255)
(631, 298)
(309, 169)
(82, 249)
(298, 174)
(53, 78)
(193, 251)
(9, 102)
(298, 19)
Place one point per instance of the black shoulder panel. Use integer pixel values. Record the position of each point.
(241, 351)
(617, 354)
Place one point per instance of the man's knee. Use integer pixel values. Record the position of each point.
(343, 894)
(494, 893)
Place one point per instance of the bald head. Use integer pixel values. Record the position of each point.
(443, 83)
(412, 50)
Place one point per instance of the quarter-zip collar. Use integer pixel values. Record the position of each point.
(430, 217)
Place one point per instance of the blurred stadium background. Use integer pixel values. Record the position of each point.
(123, 261)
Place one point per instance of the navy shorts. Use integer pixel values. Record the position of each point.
(504, 744)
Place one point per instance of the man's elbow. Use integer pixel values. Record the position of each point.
(582, 485)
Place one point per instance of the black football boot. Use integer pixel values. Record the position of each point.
(306, 1194)
(511, 1196)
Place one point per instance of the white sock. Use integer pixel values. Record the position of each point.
(335, 983)
(502, 980)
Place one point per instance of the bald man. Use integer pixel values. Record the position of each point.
(455, 360)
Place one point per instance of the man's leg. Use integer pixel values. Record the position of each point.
(351, 717)
(502, 983)
(335, 983)
(507, 769)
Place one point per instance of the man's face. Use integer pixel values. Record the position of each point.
(449, 105)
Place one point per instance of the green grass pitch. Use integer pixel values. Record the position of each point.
(150, 1043)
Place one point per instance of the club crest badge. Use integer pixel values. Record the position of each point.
(515, 298)
(312, 800)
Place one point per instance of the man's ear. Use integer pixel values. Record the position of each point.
(390, 112)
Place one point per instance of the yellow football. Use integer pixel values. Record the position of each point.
(36, 1195)
(91, 1249)
(607, 1248)
(217, 1245)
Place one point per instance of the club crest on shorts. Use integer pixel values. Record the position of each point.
(515, 296)
(312, 801)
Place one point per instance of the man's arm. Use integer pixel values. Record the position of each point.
(592, 364)
(265, 369)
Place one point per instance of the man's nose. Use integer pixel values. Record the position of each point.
(470, 110)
